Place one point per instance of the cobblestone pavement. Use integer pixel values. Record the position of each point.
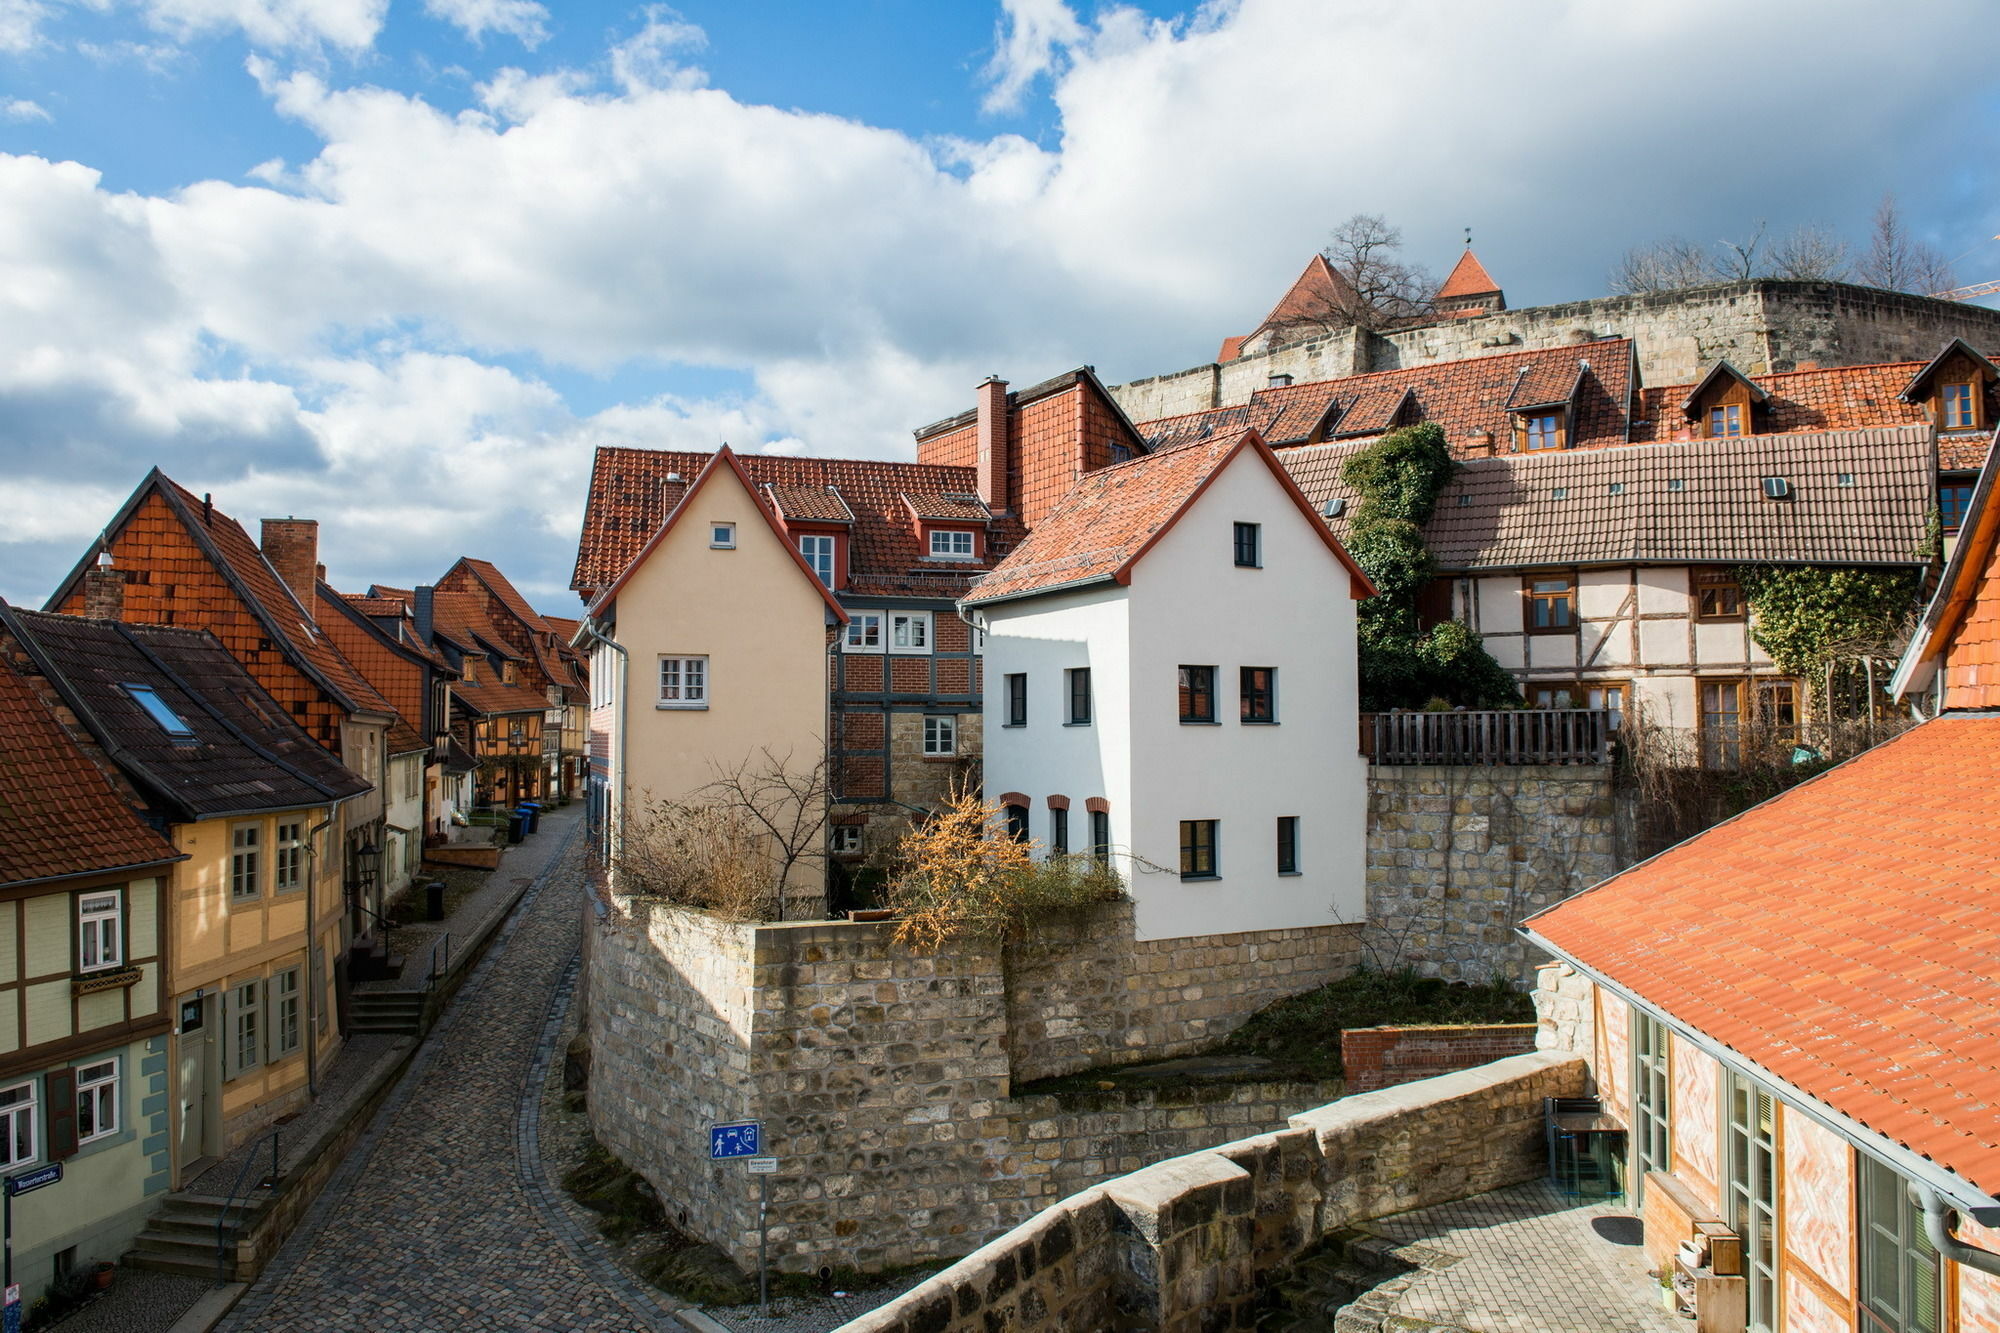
(1528, 1260)
(138, 1302)
(435, 1222)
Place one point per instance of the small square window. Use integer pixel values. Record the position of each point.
(1954, 499)
(940, 735)
(1551, 604)
(683, 682)
(1676, 483)
(1559, 493)
(157, 708)
(1197, 694)
(818, 553)
(951, 544)
(1718, 596)
(1249, 546)
(1959, 407)
(1198, 849)
(17, 1124)
(846, 839)
(1464, 500)
(1542, 430)
(1777, 488)
(1843, 479)
(864, 632)
(1617, 488)
(910, 632)
(722, 536)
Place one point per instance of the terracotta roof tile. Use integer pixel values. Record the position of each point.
(813, 504)
(1840, 936)
(1318, 294)
(59, 814)
(937, 506)
(499, 698)
(1468, 277)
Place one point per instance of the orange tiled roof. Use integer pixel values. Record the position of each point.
(560, 665)
(811, 504)
(1840, 936)
(1835, 398)
(59, 814)
(1468, 277)
(1112, 516)
(1320, 292)
(488, 699)
(939, 507)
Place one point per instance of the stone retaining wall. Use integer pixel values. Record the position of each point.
(1183, 1245)
(1382, 1057)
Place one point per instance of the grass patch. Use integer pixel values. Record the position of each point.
(460, 883)
(1301, 1035)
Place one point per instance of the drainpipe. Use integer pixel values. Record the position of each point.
(616, 814)
(1937, 1229)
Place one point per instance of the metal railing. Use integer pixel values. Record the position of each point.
(1496, 736)
(222, 1218)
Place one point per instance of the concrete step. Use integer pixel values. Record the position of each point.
(204, 1268)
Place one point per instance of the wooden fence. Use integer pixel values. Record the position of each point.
(1489, 736)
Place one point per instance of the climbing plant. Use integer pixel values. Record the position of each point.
(1399, 478)
(1825, 624)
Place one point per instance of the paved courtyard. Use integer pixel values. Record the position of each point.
(441, 1218)
(1528, 1260)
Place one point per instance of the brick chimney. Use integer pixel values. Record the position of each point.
(104, 590)
(421, 600)
(292, 547)
(996, 446)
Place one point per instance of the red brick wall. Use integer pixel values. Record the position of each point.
(1383, 1057)
(959, 448)
(1048, 446)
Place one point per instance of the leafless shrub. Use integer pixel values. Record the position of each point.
(1665, 266)
(699, 855)
(1810, 253)
(1383, 289)
(1898, 261)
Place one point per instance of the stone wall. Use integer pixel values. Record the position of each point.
(1184, 1245)
(885, 1080)
(1382, 1057)
(1762, 327)
(1458, 856)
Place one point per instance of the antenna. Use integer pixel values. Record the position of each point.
(1468, 238)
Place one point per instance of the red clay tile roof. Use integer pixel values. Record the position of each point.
(489, 574)
(626, 508)
(1464, 397)
(558, 664)
(1832, 399)
(1840, 936)
(1114, 515)
(488, 699)
(1919, 382)
(809, 504)
(1960, 629)
(1320, 293)
(1512, 518)
(59, 814)
(565, 628)
(1232, 347)
(939, 507)
(1468, 277)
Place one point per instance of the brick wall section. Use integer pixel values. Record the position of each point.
(292, 547)
(1048, 446)
(1457, 857)
(1972, 663)
(1382, 1057)
(1184, 1245)
(885, 1080)
(1761, 327)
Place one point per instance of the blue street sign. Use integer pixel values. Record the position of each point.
(34, 1180)
(744, 1139)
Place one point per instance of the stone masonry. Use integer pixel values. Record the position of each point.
(1762, 327)
(1382, 1057)
(1458, 856)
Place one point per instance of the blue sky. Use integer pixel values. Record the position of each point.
(401, 264)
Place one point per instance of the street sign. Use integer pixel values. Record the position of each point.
(762, 1166)
(34, 1180)
(10, 1319)
(743, 1139)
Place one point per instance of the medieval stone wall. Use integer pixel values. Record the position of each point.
(1382, 1057)
(1762, 327)
(1458, 856)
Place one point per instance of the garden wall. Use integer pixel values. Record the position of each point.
(1185, 1245)
(1382, 1057)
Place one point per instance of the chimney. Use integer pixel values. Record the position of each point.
(292, 547)
(421, 611)
(1279, 381)
(104, 591)
(996, 445)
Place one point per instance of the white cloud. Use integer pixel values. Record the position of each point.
(523, 20)
(273, 25)
(650, 59)
(20, 108)
(20, 23)
(1031, 41)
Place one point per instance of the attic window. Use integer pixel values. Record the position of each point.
(1559, 493)
(1958, 406)
(1464, 500)
(1777, 488)
(149, 699)
(1676, 483)
(1617, 488)
(1843, 479)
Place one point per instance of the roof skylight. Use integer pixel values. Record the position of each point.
(156, 708)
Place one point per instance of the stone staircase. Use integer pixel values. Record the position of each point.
(180, 1237)
(1350, 1284)
(396, 1012)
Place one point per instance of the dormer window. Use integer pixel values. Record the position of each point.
(951, 544)
(1723, 404)
(1958, 406)
(817, 549)
(1725, 419)
(1541, 430)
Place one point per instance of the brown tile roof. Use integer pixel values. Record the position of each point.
(1463, 397)
(1840, 936)
(808, 504)
(242, 754)
(1468, 277)
(1837, 398)
(1320, 293)
(565, 628)
(626, 508)
(1232, 347)
(940, 507)
(1114, 515)
(59, 814)
(1504, 513)
(489, 574)
(487, 699)
(555, 661)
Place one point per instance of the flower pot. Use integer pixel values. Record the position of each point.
(103, 1274)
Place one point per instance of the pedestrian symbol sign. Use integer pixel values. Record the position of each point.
(743, 1139)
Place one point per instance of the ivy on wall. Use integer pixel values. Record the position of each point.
(1399, 478)
(1815, 619)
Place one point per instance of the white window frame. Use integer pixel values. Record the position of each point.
(286, 1005)
(845, 839)
(721, 536)
(687, 693)
(16, 1119)
(940, 735)
(288, 867)
(246, 862)
(100, 929)
(858, 625)
(811, 551)
(948, 549)
(246, 1000)
(97, 1088)
(901, 625)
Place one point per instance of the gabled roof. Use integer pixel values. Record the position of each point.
(242, 753)
(1544, 383)
(1320, 293)
(1832, 398)
(1717, 373)
(1958, 593)
(808, 504)
(1839, 937)
(1113, 516)
(722, 461)
(558, 665)
(60, 817)
(1468, 278)
(938, 507)
(1919, 384)
(490, 698)
(1699, 502)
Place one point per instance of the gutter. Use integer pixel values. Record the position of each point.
(1937, 1229)
(1926, 1174)
(1035, 592)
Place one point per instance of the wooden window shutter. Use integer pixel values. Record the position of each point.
(62, 1114)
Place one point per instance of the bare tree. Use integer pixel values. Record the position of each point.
(1736, 261)
(1811, 252)
(1665, 266)
(1897, 261)
(1383, 289)
(784, 799)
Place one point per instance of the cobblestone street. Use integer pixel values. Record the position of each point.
(439, 1220)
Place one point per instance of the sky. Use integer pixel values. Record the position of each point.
(400, 265)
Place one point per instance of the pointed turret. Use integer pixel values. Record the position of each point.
(1469, 290)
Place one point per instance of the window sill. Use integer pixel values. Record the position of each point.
(680, 708)
(1241, 565)
(1199, 879)
(1290, 874)
(1258, 722)
(1076, 724)
(1199, 722)
(1013, 726)
(939, 758)
(116, 977)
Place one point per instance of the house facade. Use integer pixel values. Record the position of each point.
(1792, 1014)
(1160, 701)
